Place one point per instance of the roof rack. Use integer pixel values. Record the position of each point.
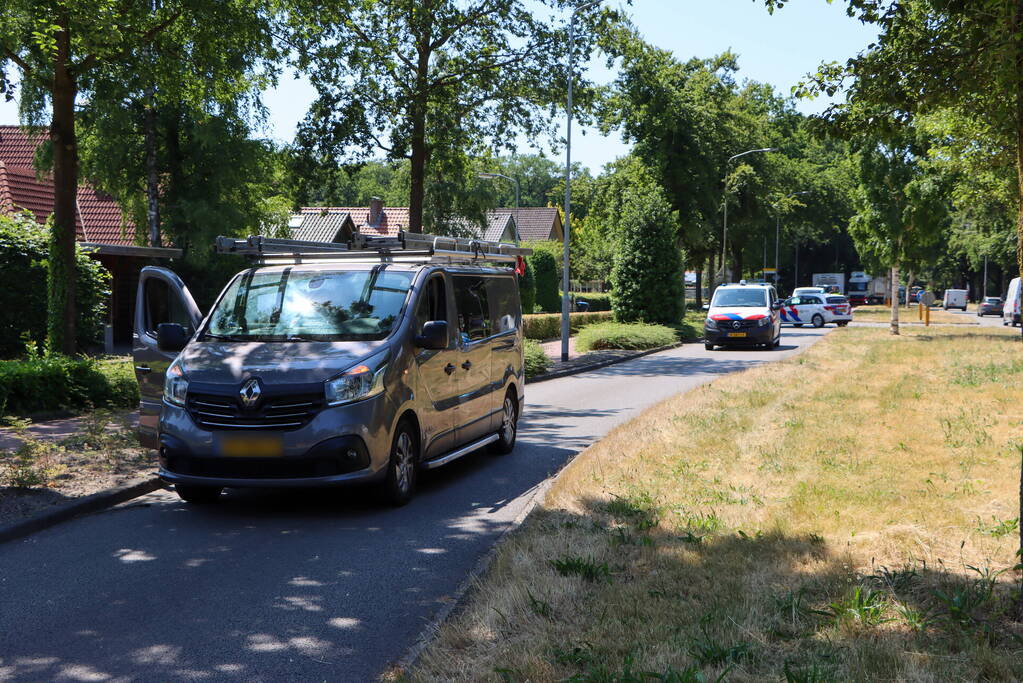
(406, 247)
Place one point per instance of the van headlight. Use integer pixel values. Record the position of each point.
(363, 381)
(764, 322)
(175, 384)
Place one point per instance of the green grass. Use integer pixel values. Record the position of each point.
(630, 336)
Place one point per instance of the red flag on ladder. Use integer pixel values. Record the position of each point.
(520, 266)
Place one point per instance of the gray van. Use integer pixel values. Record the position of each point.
(328, 373)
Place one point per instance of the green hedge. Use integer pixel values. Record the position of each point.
(631, 336)
(544, 267)
(24, 252)
(548, 325)
(537, 361)
(599, 301)
(51, 383)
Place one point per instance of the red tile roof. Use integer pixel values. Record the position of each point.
(537, 222)
(99, 218)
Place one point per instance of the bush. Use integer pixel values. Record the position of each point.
(548, 325)
(537, 361)
(544, 267)
(23, 257)
(646, 279)
(598, 301)
(527, 290)
(54, 382)
(631, 336)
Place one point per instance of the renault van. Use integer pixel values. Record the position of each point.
(328, 373)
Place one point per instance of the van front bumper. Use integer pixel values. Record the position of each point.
(340, 445)
(753, 335)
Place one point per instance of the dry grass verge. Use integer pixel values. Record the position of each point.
(883, 314)
(848, 514)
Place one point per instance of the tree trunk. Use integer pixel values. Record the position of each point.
(737, 260)
(62, 268)
(152, 181)
(1017, 23)
(417, 112)
(895, 300)
(699, 285)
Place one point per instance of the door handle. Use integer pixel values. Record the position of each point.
(449, 368)
(466, 365)
(144, 369)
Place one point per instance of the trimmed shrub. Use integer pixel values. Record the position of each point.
(536, 360)
(527, 290)
(548, 325)
(646, 280)
(631, 336)
(54, 382)
(598, 301)
(24, 253)
(545, 277)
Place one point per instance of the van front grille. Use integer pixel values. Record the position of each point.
(216, 411)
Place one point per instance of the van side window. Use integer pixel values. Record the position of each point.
(433, 304)
(163, 306)
(505, 310)
(473, 307)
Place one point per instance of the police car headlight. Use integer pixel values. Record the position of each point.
(764, 322)
(175, 384)
(363, 381)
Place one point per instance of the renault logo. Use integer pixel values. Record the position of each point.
(250, 392)
(736, 325)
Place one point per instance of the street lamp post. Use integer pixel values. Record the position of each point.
(565, 327)
(516, 181)
(724, 231)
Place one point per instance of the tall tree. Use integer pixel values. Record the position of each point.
(430, 81)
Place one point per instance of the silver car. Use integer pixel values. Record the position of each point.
(327, 373)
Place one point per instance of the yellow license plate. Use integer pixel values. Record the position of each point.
(736, 334)
(251, 447)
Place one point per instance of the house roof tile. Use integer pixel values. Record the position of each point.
(537, 222)
(18, 145)
(393, 220)
(322, 226)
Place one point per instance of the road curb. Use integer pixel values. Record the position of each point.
(429, 632)
(568, 372)
(92, 503)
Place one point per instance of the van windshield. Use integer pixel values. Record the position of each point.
(312, 305)
(740, 297)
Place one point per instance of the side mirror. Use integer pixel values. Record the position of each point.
(171, 337)
(434, 336)
(777, 305)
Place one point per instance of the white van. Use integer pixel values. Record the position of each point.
(954, 298)
(1011, 309)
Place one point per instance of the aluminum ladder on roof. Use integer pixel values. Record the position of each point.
(406, 247)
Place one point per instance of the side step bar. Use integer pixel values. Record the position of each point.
(464, 450)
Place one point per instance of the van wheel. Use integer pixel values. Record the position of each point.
(709, 347)
(400, 483)
(198, 495)
(817, 320)
(509, 426)
(843, 323)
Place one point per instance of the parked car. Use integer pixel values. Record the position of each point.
(816, 310)
(743, 315)
(990, 305)
(1011, 307)
(327, 373)
(954, 298)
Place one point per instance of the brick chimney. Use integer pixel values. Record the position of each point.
(376, 211)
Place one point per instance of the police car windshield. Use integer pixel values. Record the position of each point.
(738, 298)
(310, 305)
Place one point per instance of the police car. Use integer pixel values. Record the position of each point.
(817, 309)
(743, 315)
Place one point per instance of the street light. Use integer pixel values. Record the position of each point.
(724, 232)
(565, 327)
(491, 176)
(777, 232)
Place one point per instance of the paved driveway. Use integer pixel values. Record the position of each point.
(327, 585)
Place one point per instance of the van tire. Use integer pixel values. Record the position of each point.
(509, 429)
(842, 323)
(198, 495)
(817, 320)
(402, 466)
(708, 347)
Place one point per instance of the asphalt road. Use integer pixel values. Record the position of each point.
(333, 586)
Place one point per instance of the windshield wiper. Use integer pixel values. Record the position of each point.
(225, 337)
